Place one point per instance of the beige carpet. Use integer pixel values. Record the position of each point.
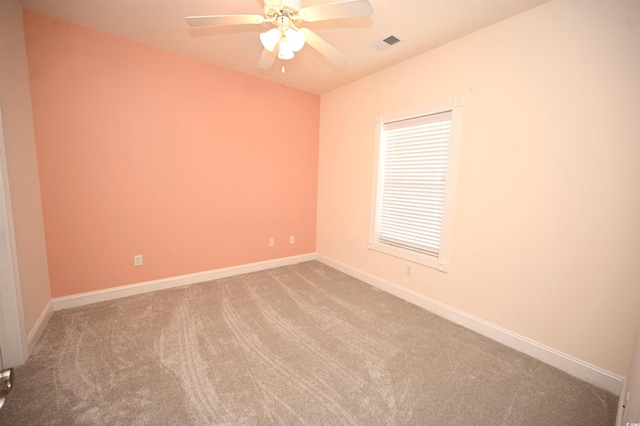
(302, 344)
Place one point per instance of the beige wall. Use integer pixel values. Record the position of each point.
(22, 164)
(546, 224)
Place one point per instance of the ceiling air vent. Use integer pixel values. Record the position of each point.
(385, 43)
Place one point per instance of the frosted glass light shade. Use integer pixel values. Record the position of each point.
(270, 38)
(294, 39)
(285, 52)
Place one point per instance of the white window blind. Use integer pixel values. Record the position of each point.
(414, 155)
(414, 180)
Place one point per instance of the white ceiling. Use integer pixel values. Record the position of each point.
(421, 25)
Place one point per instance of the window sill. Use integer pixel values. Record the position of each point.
(420, 258)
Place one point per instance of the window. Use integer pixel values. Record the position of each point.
(414, 182)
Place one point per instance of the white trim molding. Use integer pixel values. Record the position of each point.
(564, 362)
(88, 298)
(38, 329)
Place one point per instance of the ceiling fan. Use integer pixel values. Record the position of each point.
(287, 37)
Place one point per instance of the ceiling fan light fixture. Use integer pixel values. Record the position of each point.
(287, 37)
(270, 38)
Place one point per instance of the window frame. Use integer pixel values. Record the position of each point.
(441, 261)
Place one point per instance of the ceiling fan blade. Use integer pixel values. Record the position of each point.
(267, 59)
(323, 47)
(223, 20)
(341, 9)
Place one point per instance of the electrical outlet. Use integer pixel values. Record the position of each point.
(137, 260)
(292, 240)
(272, 242)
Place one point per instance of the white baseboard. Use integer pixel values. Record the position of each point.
(39, 327)
(564, 362)
(182, 280)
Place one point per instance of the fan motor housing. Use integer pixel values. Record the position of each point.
(285, 7)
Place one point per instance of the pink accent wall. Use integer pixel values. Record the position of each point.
(143, 151)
